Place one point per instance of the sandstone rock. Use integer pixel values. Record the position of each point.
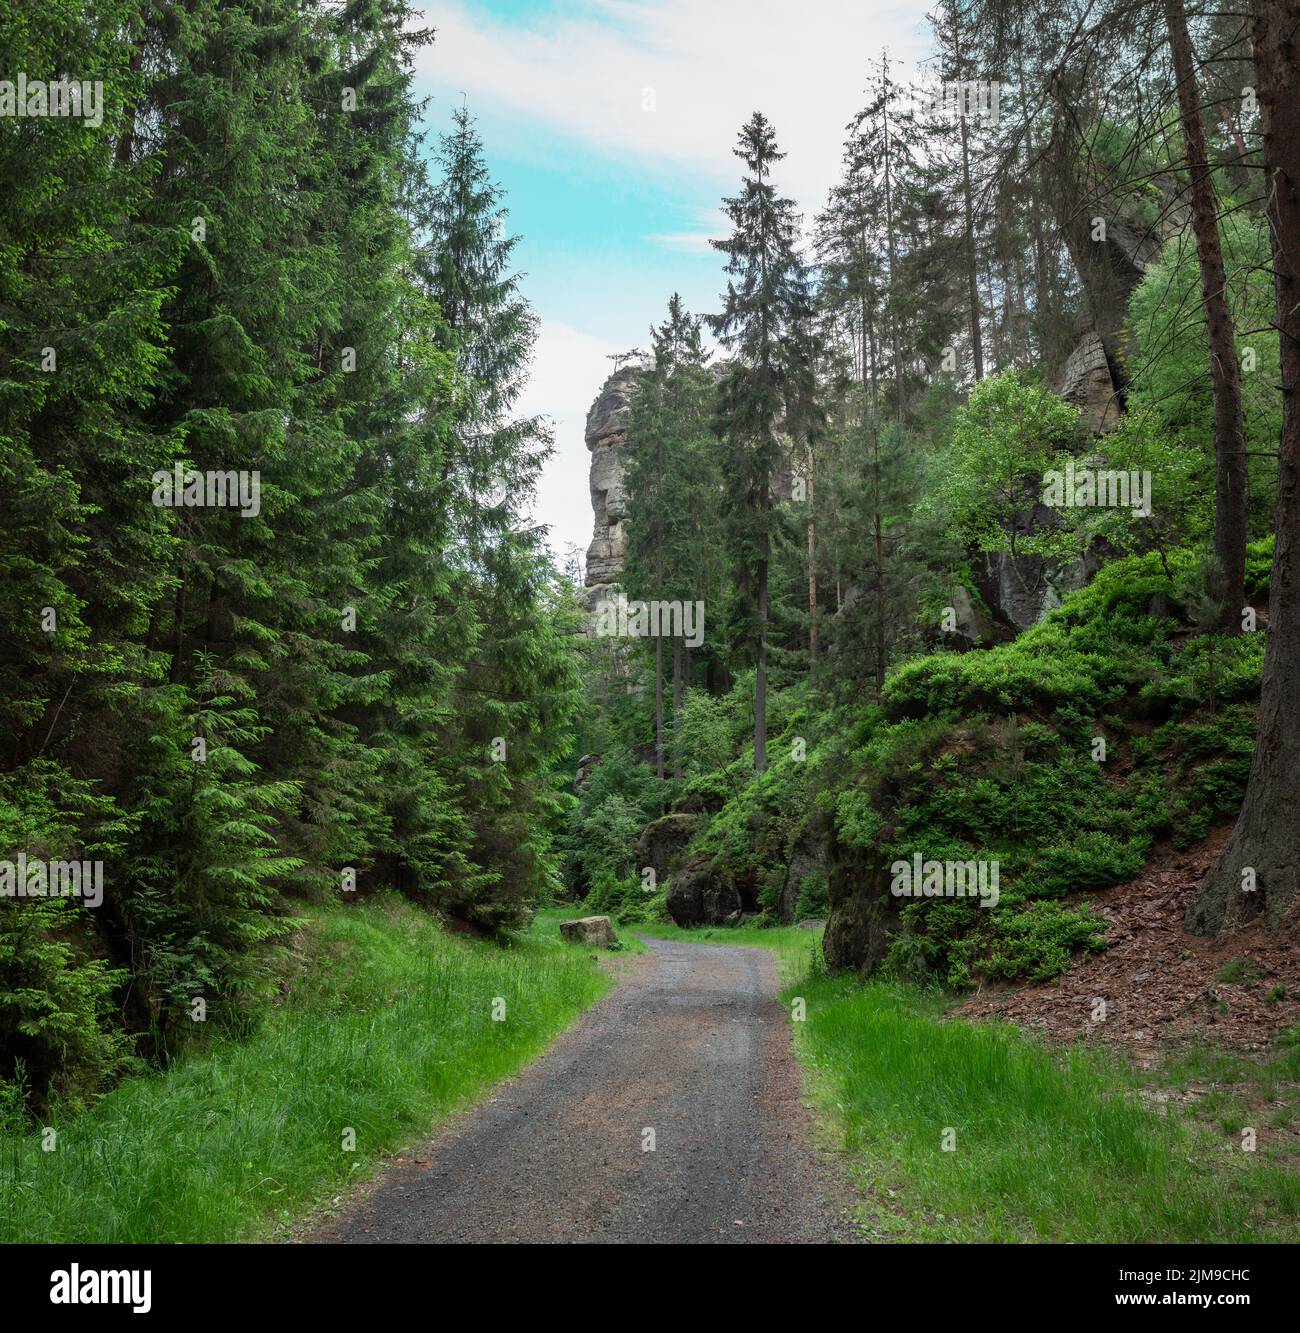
(1087, 383)
(862, 922)
(585, 766)
(663, 843)
(606, 437)
(699, 896)
(973, 626)
(595, 931)
(807, 858)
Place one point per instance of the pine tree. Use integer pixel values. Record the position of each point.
(517, 686)
(766, 290)
(672, 471)
(491, 331)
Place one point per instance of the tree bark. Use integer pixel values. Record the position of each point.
(178, 633)
(972, 285)
(1229, 423)
(812, 566)
(760, 675)
(1266, 841)
(659, 706)
(890, 247)
(677, 708)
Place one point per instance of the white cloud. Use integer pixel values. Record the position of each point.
(706, 224)
(669, 82)
(568, 369)
(662, 86)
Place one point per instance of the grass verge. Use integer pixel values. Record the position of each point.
(386, 1029)
(1045, 1145)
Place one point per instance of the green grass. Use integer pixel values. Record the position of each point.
(388, 1027)
(1047, 1145)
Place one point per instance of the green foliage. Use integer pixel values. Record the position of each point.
(386, 1027)
(626, 899)
(985, 756)
(1035, 942)
(1168, 428)
(58, 994)
(621, 796)
(245, 270)
(1003, 441)
(991, 756)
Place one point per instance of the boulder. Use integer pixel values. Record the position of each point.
(699, 896)
(663, 843)
(586, 765)
(595, 931)
(862, 921)
(807, 858)
(974, 629)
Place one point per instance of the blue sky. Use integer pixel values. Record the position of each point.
(610, 125)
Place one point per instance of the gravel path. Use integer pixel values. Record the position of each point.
(693, 1045)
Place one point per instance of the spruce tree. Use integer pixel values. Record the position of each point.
(766, 289)
(672, 471)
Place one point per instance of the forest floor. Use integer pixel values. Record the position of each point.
(1208, 1026)
(1161, 985)
(671, 1112)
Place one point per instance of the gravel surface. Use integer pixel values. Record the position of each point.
(693, 1045)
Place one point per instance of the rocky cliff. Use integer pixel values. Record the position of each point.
(606, 438)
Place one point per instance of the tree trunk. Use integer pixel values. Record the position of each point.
(880, 605)
(659, 706)
(892, 251)
(812, 566)
(677, 708)
(1229, 429)
(1266, 840)
(1041, 299)
(972, 285)
(178, 633)
(760, 675)
(126, 140)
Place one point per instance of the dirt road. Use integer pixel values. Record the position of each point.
(669, 1113)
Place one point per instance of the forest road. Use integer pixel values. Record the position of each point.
(671, 1112)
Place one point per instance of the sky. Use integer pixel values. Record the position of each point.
(610, 125)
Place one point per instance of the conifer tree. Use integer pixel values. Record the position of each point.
(672, 473)
(766, 289)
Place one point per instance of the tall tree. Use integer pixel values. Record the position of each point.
(766, 289)
(672, 473)
(492, 331)
(1225, 374)
(1259, 871)
(957, 70)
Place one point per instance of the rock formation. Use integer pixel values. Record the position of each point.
(606, 437)
(1087, 382)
